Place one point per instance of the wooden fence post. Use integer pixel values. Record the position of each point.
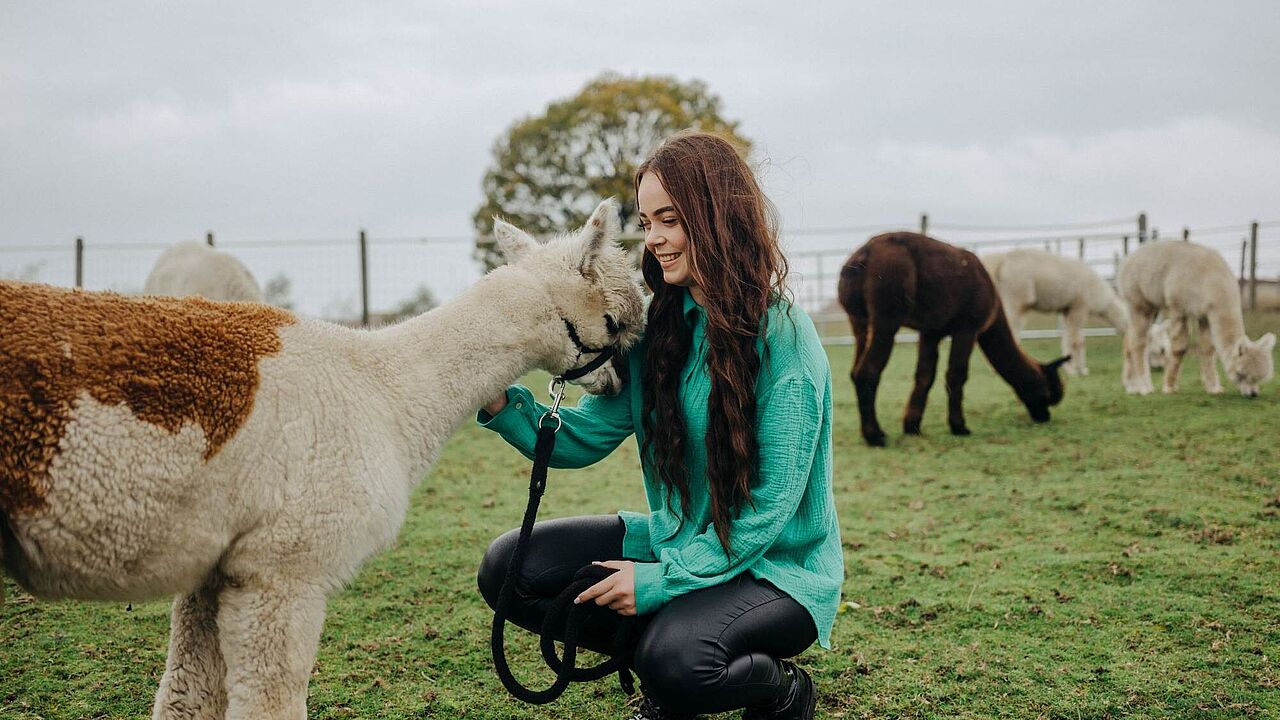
(924, 223)
(1186, 234)
(1125, 245)
(79, 261)
(1253, 265)
(1081, 248)
(1142, 227)
(364, 280)
(208, 238)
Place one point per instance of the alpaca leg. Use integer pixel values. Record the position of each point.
(1017, 319)
(866, 378)
(1208, 359)
(1178, 329)
(926, 370)
(269, 630)
(957, 375)
(192, 687)
(859, 340)
(1137, 373)
(1073, 338)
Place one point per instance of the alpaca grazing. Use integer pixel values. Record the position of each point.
(907, 279)
(1189, 283)
(192, 268)
(249, 461)
(1030, 279)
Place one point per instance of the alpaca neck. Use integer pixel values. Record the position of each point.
(443, 365)
(1005, 355)
(1226, 323)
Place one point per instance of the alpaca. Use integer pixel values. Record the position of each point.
(905, 278)
(248, 460)
(1158, 344)
(1188, 282)
(1030, 279)
(192, 268)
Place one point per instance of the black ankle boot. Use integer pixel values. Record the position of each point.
(647, 709)
(799, 703)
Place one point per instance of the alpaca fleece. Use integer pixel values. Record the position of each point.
(171, 362)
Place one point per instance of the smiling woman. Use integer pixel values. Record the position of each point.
(737, 563)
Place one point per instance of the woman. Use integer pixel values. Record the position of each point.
(737, 565)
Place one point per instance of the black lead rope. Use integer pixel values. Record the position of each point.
(564, 616)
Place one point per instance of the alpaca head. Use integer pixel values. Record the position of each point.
(1041, 396)
(591, 282)
(1249, 363)
(1158, 344)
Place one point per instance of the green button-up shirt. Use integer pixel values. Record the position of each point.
(788, 534)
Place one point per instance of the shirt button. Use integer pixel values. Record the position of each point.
(519, 405)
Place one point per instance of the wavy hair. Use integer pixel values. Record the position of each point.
(736, 261)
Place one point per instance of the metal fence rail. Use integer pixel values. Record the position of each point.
(356, 279)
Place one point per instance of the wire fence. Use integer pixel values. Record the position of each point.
(362, 277)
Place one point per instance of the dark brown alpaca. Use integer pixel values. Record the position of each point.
(905, 278)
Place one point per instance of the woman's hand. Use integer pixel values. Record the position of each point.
(494, 406)
(618, 591)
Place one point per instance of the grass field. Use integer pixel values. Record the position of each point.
(1121, 561)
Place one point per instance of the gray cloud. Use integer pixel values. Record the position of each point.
(156, 121)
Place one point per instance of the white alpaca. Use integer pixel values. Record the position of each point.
(1188, 282)
(192, 268)
(249, 461)
(1030, 279)
(1158, 344)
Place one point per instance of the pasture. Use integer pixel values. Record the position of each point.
(1121, 561)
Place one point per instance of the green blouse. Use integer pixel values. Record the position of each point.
(788, 535)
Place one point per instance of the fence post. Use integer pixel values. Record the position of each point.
(1142, 227)
(1186, 234)
(1253, 265)
(364, 280)
(924, 223)
(1081, 248)
(1244, 252)
(208, 238)
(1155, 234)
(1125, 245)
(79, 261)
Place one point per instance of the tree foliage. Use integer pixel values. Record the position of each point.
(550, 171)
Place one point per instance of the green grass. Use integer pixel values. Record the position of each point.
(1121, 561)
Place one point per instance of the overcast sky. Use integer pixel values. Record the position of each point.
(129, 121)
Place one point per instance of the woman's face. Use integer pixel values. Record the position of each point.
(664, 234)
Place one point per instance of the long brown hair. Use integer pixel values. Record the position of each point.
(735, 259)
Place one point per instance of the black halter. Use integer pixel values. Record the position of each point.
(603, 357)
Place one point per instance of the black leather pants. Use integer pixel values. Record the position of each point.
(708, 651)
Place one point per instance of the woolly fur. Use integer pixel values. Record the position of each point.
(1029, 279)
(247, 461)
(1189, 283)
(193, 268)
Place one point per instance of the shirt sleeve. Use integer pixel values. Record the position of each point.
(588, 434)
(788, 438)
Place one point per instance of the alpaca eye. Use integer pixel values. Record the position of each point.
(611, 325)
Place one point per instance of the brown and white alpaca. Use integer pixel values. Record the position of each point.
(249, 461)
(907, 279)
(193, 268)
(1030, 279)
(1189, 283)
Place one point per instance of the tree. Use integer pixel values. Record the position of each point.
(421, 301)
(549, 172)
(277, 290)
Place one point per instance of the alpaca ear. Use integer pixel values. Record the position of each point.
(1267, 342)
(1055, 364)
(513, 243)
(600, 230)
